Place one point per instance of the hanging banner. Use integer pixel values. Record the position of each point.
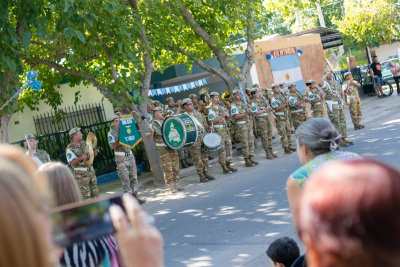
(128, 132)
(177, 88)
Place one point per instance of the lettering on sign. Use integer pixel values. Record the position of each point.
(127, 121)
(129, 138)
(284, 52)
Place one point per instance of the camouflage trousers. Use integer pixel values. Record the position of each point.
(225, 152)
(264, 128)
(338, 119)
(127, 172)
(318, 111)
(183, 153)
(232, 129)
(254, 124)
(284, 131)
(170, 163)
(200, 155)
(290, 119)
(298, 118)
(87, 183)
(246, 136)
(355, 110)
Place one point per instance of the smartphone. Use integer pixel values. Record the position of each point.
(83, 221)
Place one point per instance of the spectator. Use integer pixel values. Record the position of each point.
(317, 144)
(349, 215)
(376, 72)
(283, 252)
(395, 69)
(97, 252)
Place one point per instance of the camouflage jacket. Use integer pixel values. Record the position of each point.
(157, 136)
(239, 108)
(332, 90)
(112, 138)
(314, 95)
(257, 105)
(277, 101)
(41, 155)
(74, 151)
(353, 90)
(215, 112)
(150, 116)
(294, 98)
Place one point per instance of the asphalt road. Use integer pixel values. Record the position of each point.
(232, 221)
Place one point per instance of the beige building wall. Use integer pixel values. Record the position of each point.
(386, 50)
(26, 124)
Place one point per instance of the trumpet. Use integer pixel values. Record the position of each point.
(229, 117)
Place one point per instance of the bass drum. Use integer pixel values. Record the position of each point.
(212, 141)
(179, 131)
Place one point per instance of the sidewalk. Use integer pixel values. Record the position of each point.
(373, 108)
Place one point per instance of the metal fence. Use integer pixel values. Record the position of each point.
(80, 115)
(357, 73)
(56, 143)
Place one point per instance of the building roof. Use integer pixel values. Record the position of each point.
(329, 37)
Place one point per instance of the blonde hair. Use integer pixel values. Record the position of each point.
(62, 183)
(21, 239)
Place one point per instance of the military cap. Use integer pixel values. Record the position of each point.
(273, 86)
(157, 109)
(248, 89)
(191, 96)
(290, 85)
(254, 90)
(74, 130)
(236, 91)
(115, 116)
(186, 100)
(168, 99)
(255, 85)
(214, 94)
(156, 102)
(150, 102)
(347, 74)
(30, 136)
(309, 82)
(282, 83)
(326, 70)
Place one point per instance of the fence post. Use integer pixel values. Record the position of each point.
(59, 146)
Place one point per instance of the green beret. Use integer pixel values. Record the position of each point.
(74, 130)
(236, 91)
(186, 100)
(30, 136)
(191, 96)
(214, 94)
(347, 74)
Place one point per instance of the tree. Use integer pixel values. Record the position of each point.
(369, 23)
(18, 22)
(202, 30)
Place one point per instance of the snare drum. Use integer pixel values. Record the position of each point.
(179, 131)
(212, 141)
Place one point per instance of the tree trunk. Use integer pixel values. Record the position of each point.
(4, 117)
(4, 120)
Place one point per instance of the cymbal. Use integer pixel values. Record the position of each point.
(91, 139)
(90, 159)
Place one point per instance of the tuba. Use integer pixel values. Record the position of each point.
(226, 96)
(207, 98)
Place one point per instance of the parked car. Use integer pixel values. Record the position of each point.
(386, 73)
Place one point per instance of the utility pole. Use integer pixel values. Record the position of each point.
(320, 15)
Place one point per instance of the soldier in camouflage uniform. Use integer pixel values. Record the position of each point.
(157, 104)
(172, 110)
(216, 118)
(285, 91)
(84, 174)
(150, 109)
(198, 151)
(253, 124)
(125, 160)
(280, 105)
(261, 108)
(334, 98)
(169, 158)
(41, 155)
(232, 127)
(355, 103)
(297, 108)
(317, 98)
(241, 113)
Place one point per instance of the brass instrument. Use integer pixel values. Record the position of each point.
(226, 96)
(207, 98)
(91, 145)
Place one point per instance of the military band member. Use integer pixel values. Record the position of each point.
(198, 105)
(40, 157)
(280, 105)
(355, 103)
(285, 91)
(198, 151)
(169, 158)
(85, 175)
(157, 104)
(217, 118)
(150, 109)
(125, 160)
(264, 126)
(334, 98)
(317, 99)
(296, 99)
(244, 129)
(249, 98)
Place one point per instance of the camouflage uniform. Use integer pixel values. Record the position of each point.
(253, 124)
(198, 151)
(281, 120)
(86, 179)
(231, 127)
(332, 90)
(169, 158)
(264, 125)
(317, 109)
(298, 115)
(286, 92)
(41, 155)
(355, 104)
(244, 129)
(126, 165)
(225, 152)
